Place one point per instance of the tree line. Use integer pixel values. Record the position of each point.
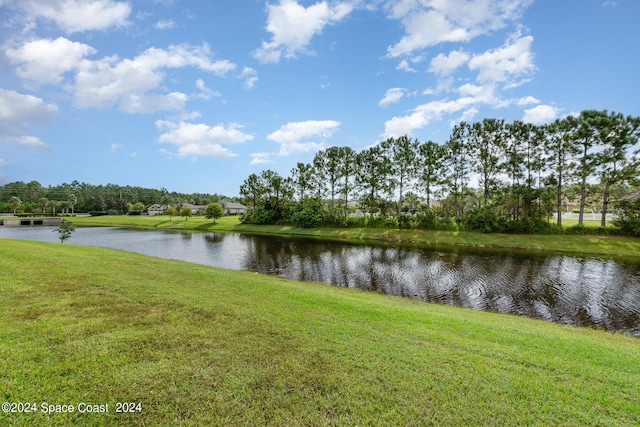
(18, 197)
(489, 175)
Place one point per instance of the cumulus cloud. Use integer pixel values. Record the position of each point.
(18, 112)
(292, 26)
(431, 22)
(527, 100)
(496, 70)
(392, 96)
(205, 92)
(147, 104)
(29, 141)
(425, 114)
(199, 139)
(404, 66)
(444, 65)
(540, 114)
(294, 136)
(44, 61)
(78, 15)
(260, 158)
(250, 77)
(111, 80)
(513, 60)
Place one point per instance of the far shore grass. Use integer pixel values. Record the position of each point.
(197, 345)
(579, 245)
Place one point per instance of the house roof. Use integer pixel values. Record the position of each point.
(233, 205)
(631, 197)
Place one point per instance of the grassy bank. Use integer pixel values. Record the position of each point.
(195, 345)
(587, 245)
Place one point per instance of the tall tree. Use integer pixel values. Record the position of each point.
(431, 163)
(525, 160)
(588, 131)
(73, 200)
(302, 176)
(457, 166)
(403, 156)
(560, 150)
(619, 135)
(486, 140)
(348, 169)
(252, 189)
(15, 203)
(328, 164)
(373, 167)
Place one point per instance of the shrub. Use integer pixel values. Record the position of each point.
(485, 219)
(404, 221)
(629, 218)
(307, 213)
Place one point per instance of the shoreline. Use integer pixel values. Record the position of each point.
(619, 247)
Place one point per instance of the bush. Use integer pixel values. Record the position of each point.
(629, 218)
(264, 214)
(307, 213)
(404, 221)
(485, 219)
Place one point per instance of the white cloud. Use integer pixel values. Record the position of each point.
(431, 22)
(444, 65)
(110, 80)
(200, 139)
(512, 60)
(79, 15)
(205, 92)
(528, 100)
(18, 112)
(540, 114)
(147, 104)
(425, 114)
(30, 141)
(260, 158)
(44, 61)
(292, 26)
(392, 96)
(404, 66)
(165, 24)
(291, 136)
(250, 77)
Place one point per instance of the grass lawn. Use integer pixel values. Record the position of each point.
(581, 245)
(196, 345)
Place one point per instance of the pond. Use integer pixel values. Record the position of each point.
(588, 292)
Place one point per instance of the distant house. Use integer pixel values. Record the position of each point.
(232, 208)
(157, 209)
(195, 209)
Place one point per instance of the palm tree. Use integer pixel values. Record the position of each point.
(72, 201)
(15, 203)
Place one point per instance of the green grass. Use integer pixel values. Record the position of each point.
(196, 345)
(582, 245)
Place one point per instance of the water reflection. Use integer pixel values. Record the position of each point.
(578, 291)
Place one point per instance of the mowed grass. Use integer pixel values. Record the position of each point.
(196, 345)
(581, 245)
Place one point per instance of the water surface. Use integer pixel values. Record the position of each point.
(589, 292)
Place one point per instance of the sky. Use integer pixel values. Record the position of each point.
(194, 96)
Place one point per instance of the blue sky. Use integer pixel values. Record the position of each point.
(195, 96)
